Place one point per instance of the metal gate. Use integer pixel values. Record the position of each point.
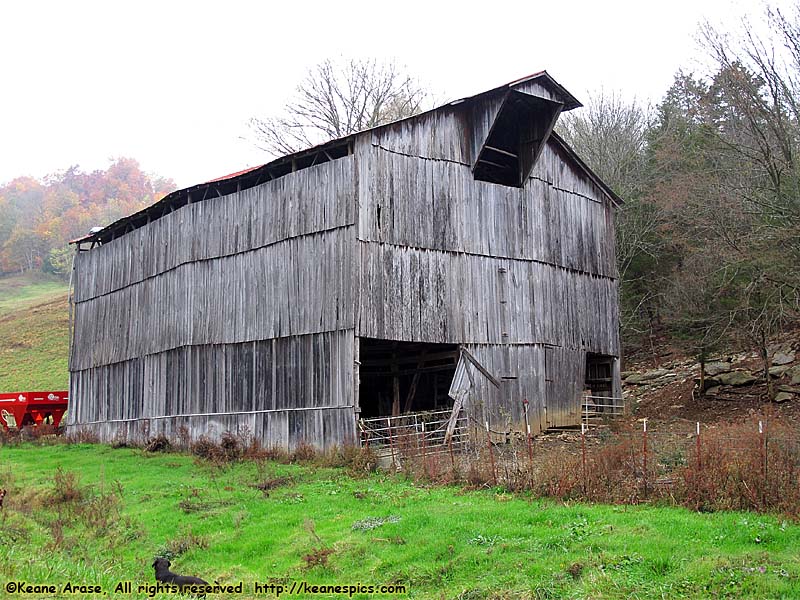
(415, 434)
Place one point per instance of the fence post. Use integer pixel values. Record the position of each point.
(528, 428)
(391, 441)
(583, 454)
(452, 458)
(766, 453)
(491, 453)
(697, 444)
(762, 434)
(424, 452)
(644, 448)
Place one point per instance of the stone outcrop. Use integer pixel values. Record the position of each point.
(638, 378)
(736, 378)
(717, 366)
(724, 376)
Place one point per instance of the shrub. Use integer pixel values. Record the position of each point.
(159, 443)
(303, 452)
(204, 448)
(230, 447)
(66, 487)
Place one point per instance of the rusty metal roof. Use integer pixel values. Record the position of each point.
(236, 174)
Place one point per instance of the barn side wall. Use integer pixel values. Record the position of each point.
(250, 388)
(517, 275)
(233, 313)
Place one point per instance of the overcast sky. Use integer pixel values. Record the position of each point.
(173, 84)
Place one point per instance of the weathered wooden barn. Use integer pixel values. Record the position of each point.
(344, 281)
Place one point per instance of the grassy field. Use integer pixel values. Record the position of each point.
(34, 341)
(97, 515)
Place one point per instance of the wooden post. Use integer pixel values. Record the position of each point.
(528, 429)
(763, 445)
(424, 452)
(356, 376)
(395, 396)
(491, 453)
(414, 383)
(451, 423)
(766, 450)
(364, 436)
(395, 387)
(452, 457)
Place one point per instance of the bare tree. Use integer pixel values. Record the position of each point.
(755, 122)
(758, 85)
(700, 304)
(337, 98)
(611, 135)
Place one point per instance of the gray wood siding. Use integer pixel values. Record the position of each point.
(521, 373)
(565, 373)
(284, 391)
(315, 199)
(550, 378)
(421, 295)
(240, 312)
(233, 313)
(437, 204)
(535, 88)
(297, 286)
(445, 258)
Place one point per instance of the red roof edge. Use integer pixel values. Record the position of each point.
(232, 175)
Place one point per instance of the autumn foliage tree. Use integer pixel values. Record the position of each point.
(38, 218)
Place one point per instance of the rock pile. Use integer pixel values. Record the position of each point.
(723, 375)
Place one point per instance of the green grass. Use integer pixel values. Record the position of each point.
(34, 338)
(26, 290)
(444, 542)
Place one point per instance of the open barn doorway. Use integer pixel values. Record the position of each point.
(404, 377)
(598, 395)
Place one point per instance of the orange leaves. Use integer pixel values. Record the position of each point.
(39, 216)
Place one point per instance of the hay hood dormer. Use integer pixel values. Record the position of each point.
(511, 125)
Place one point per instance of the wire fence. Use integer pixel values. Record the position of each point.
(595, 409)
(754, 465)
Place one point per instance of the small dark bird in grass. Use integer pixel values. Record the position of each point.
(2, 496)
(164, 575)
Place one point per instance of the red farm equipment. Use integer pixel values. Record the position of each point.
(32, 408)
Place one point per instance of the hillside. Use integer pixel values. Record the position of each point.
(34, 342)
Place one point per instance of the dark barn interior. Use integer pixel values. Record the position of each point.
(402, 377)
(599, 374)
